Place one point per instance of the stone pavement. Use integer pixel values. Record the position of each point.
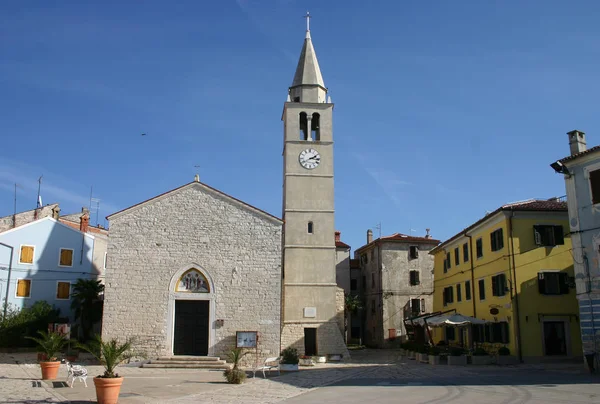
(371, 375)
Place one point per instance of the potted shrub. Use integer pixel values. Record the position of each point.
(50, 344)
(505, 358)
(289, 359)
(423, 356)
(480, 357)
(110, 354)
(235, 375)
(434, 355)
(457, 356)
(306, 361)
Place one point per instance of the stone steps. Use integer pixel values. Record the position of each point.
(188, 362)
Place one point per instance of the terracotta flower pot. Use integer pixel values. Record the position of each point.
(107, 389)
(49, 370)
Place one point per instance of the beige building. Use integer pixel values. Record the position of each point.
(395, 270)
(311, 299)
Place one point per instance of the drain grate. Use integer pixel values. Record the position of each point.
(36, 383)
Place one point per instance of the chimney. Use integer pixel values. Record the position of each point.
(427, 235)
(369, 236)
(84, 220)
(577, 142)
(337, 236)
(55, 212)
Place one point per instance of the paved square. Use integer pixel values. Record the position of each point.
(375, 376)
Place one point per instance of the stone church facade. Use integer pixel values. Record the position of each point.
(188, 269)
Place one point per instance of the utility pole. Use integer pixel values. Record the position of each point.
(8, 278)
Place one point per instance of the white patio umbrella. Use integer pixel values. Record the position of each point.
(452, 319)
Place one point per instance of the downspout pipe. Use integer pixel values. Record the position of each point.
(472, 275)
(12, 249)
(514, 284)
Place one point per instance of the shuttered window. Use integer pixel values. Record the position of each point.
(468, 290)
(465, 252)
(497, 240)
(595, 185)
(26, 254)
(414, 278)
(63, 290)
(553, 283)
(24, 288)
(547, 235)
(479, 247)
(66, 257)
(458, 293)
(456, 257)
(448, 295)
(499, 285)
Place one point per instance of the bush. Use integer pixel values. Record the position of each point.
(442, 343)
(234, 376)
(503, 351)
(456, 351)
(480, 352)
(289, 356)
(434, 351)
(25, 322)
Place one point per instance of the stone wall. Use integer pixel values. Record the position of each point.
(329, 337)
(235, 245)
(340, 301)
(6, 222)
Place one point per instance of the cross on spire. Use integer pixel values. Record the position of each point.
(308, 17)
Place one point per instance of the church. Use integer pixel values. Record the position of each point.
(197, 272)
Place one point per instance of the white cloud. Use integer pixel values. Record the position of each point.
(392, 184)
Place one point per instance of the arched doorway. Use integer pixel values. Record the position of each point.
(191, 312)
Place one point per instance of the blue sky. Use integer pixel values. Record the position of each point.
(443, 110)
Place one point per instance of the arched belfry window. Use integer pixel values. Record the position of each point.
(315, 126)
(303, 126)
(192, 281)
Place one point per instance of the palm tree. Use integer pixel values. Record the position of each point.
(87, 305)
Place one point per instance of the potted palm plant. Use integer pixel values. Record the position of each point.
(457, 356)
(480, 357)
(50, 343)
(110, 354)
(434, 355)
(235, 375)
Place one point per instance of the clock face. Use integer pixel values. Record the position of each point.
(309, 158)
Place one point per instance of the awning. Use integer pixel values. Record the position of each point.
(448, 319)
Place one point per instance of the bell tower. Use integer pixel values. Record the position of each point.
(309, 309)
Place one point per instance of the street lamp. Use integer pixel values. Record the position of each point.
(12, 249)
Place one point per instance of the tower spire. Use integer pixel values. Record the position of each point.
(308, 84)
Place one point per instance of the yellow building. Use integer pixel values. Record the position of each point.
(514, 269)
